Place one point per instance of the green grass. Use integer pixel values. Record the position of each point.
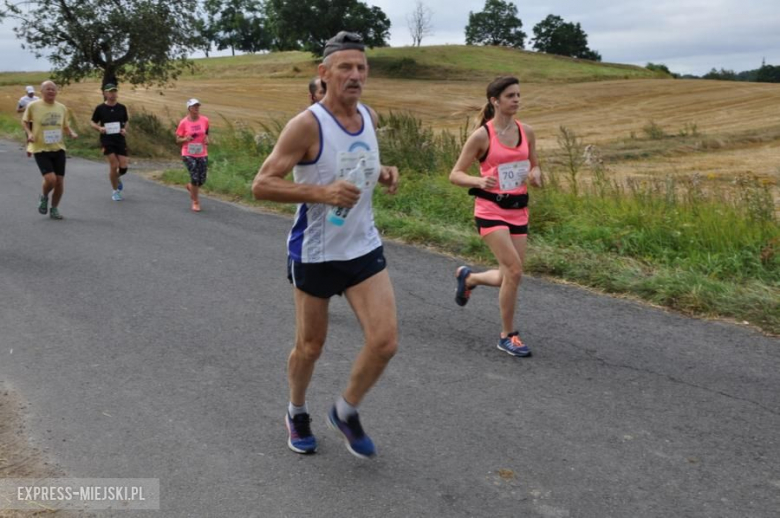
(23, 78)
(445, 62)
(442, 62)
(468, 62)
(11, 126)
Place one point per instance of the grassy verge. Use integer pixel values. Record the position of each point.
(709, 250)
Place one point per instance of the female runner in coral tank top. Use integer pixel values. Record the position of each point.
(506, 151)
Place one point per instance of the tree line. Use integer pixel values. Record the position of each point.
(764, 74)
(149, 41)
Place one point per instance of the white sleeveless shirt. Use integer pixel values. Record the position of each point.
(314, 239)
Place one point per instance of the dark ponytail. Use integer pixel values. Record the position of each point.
(485, 114)
(494, 89)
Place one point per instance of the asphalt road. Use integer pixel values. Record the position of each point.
(151, 342)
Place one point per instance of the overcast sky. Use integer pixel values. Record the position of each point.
(689, 36)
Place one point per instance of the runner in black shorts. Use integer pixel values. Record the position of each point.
(110, 120)
(334, 246)
(51, 161)
(506, 151)
(46, 122)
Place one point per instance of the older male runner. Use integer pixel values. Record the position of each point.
(45, 123)
(334, 247)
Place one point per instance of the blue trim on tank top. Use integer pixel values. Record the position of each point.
(297, 234)
(362, 120)
(319, 154)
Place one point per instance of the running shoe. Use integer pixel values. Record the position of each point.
(54, 213)
(120, 186)
(358, 443)
(463, 292)
(299, 436)
(116, 195)
(195, 206)
(43, 204)
(512, 345)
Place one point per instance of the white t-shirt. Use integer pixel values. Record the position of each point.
(24, 101)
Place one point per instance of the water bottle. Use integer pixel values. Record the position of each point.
(356, 177)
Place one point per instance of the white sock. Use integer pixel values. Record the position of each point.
(343, 409)
(295, 410)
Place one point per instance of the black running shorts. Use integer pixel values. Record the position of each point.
(51, 162)
(115, 148)
(324, 280)
(484, 226)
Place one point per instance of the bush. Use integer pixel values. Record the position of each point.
(150, 136)
(404, 142)
(653, 131)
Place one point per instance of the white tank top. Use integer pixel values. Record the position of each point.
(314, 239)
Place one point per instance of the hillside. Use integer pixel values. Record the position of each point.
(443, 63)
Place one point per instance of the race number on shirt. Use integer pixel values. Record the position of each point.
(112, 128)
(512, 175)
(348, 160)
(195, 148)
(52, 136)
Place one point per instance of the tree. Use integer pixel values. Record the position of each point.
(722, 75)
(555, 36)
(207, 35)
(138, 41)
(768, 74)
(237, 25)
(419, 22)
(497, 24)
(307, 25)
(658, 67)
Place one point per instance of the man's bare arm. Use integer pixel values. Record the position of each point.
(299, 141)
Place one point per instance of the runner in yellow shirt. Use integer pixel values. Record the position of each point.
(45, 122)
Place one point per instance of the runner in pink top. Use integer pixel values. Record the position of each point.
(506, 151)
(193, 135)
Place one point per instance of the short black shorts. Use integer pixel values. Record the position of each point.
(324, 280)
(115, 148)
(514, 230)
(51, 162)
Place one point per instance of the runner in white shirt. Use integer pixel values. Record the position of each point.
(334, 247)
(27, 99)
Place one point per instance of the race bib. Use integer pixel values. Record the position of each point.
(512, 175)
(348, 160)
(52, 136)
(195, 148)
(112, 128)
